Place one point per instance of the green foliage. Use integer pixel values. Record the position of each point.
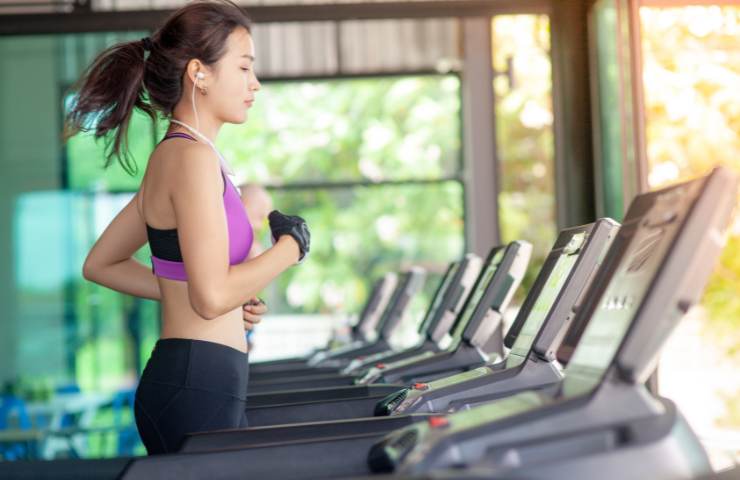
(722, 298)
(524, 136)
(362, 131)
(86, 158)
(691, 78)
(360, 233)
(692, 103)
(395, 128)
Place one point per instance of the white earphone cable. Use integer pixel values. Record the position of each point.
(195, 110)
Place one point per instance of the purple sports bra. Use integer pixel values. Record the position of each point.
(166, 255)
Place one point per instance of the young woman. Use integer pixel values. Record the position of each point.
(197, 71)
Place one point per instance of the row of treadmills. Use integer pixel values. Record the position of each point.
(560, 394)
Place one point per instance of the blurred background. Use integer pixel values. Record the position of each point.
(381, 131)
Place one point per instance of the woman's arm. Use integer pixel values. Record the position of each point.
(110, 261)
(214, 286)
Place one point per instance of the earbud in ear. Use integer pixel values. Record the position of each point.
(200, 75)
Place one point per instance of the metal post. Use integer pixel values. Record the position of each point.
(479, 137)
(574, 184)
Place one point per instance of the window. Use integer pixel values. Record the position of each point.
(691, 79)
(371, 163)
(373, 166)
(524, 119)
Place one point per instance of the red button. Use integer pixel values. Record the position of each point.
(421, 386)
(380, 366)
(438, 422)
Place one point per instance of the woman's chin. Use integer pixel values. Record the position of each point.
(240, 118)
(235, 120)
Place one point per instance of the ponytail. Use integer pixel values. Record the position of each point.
(105, 97)
(123, 78)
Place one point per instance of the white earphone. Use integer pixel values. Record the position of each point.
(198, 76)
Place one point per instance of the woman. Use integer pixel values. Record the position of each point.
(198, 71)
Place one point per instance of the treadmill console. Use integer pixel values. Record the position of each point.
(412, 444)
(545, 297)
(661, 232)
(377, 371)
(366, 327)
(398, 403)
(452, 272)
(481, 287)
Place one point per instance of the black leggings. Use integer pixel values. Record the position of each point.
(190, 386)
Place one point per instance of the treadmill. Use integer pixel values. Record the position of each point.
(542, 321)
(601, 421)
(409, 284)
(482, 321)
(480, 473)
(363, 331)
(447, 301)
(534, 336)
(480, 318)
(438, 319)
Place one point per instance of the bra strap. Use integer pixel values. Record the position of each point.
(178, 135)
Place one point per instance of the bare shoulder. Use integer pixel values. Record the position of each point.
(187, 163)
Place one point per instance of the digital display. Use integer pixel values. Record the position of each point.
(480, 289)
(544, 303)
(443, 287)
(623, 296)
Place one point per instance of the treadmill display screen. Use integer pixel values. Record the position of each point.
(480, 288)
(622, 298)
(544, 303)
(444, 286)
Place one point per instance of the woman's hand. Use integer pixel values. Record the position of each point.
(293, 226)
(252, 313)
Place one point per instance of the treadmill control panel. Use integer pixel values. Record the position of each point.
(413, 396)
(389, 403)
(411, 444)
(545, 301)
(630, 277)
(379, 369)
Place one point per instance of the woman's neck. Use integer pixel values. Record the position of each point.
(208, 127)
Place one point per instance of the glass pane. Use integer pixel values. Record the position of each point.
(86, 158)
(94, 340)
(523, 87)
(359, 233)
(692, 100)
(407, 335)
(370, 129)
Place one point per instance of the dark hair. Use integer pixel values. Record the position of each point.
(122, 78)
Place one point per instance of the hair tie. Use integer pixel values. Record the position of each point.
(147, 43)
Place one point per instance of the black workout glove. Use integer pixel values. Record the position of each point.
(294, 226)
